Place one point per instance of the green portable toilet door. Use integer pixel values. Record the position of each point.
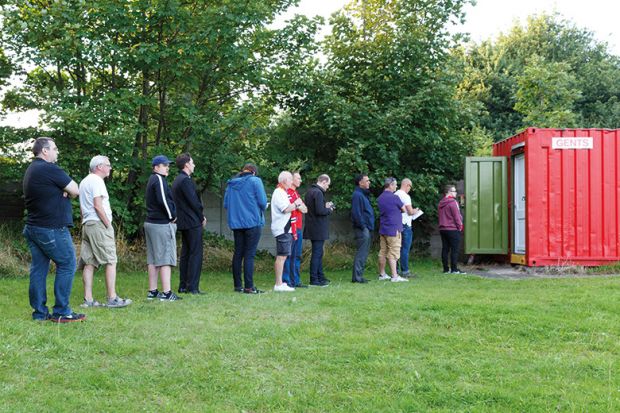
(486, 205)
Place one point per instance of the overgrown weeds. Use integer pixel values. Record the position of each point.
(218, 252)
(14, 252)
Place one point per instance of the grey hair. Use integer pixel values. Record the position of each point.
(96, 161)
(323, 178)
(283, 176)
(389, 181)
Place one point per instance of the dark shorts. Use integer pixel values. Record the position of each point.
(284, 243)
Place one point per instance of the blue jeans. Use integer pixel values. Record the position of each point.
(246, 242)
(56, 245)
(362, 240)
(316, 262)
(292, 264)
(404, 249)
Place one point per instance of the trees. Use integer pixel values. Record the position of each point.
(133, 79)
(6, 68)
(546, 94)
(385, 102)
(546, 73)
(397, 94)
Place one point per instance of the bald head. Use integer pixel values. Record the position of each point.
(405, 185)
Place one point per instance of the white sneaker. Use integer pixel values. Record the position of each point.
(399, 279)
(384, 277)
(282, 288)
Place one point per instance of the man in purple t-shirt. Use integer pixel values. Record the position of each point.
(390, 229)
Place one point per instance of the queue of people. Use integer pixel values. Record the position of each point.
(48, 190)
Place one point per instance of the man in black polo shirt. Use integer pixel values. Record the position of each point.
(47, 193)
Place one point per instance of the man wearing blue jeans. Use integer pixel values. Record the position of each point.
(292, 265)
(407, 234)
(47, 193)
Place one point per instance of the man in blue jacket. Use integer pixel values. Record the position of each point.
(363, 219)
(190, 223)
(245, 202)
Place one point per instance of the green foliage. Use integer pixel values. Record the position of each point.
(134, 79)
(6, 68)
(546, 73)
(15, 151)
(385, 103)
(398, 95)
(546, 94)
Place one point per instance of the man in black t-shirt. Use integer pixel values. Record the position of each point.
(47, 189)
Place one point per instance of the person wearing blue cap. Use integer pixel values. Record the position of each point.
(160, 231)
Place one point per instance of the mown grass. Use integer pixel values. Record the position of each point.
(438, 343)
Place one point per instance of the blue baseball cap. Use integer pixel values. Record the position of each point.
(159, 159)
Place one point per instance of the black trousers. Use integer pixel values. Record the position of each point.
(316, 262)
(190, 265)
(246, 242)
(450, 241)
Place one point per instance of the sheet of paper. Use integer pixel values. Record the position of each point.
(417, 215)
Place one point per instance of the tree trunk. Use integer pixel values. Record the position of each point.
(140, 146)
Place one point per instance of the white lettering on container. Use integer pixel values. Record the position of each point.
(572, 143)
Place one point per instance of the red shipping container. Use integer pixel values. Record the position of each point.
(563, 196)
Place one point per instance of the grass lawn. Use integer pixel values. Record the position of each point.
(438, 343)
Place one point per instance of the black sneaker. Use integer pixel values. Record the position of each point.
(458, 272)
(153, 294)
(70, 318)
(252, 290)
(169, 296)
(319, 284)
(238, 289)
(300, 285)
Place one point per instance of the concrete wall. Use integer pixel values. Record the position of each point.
(339, 229)
(340, 224)
(12, 209)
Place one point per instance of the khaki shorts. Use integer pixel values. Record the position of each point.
(161, 244)
(98, 246)
(390, 246)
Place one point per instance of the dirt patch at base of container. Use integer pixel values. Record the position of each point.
(509, 272)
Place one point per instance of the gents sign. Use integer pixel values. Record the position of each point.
(572, 143)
